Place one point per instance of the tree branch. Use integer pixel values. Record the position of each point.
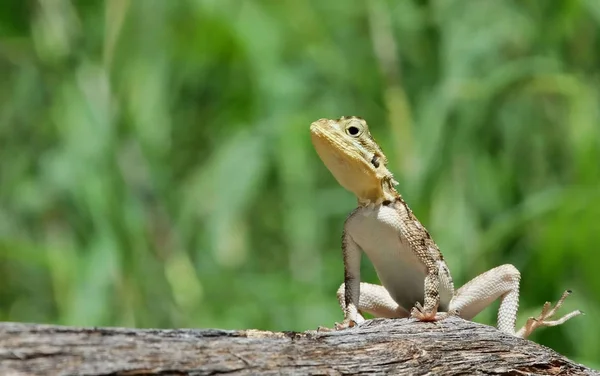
(450, 347)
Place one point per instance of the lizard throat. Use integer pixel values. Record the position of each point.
(385, 194)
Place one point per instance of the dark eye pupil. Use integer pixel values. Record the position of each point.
(353, 131)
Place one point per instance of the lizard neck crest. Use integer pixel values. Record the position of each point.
(348, 150)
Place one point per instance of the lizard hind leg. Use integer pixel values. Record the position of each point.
(503, 282)
(374, 300)
(500, 282)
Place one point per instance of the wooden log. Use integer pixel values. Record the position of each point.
(381, 346)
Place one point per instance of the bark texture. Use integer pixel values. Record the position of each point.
(403, 347)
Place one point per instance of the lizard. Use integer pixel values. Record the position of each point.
(415, 279)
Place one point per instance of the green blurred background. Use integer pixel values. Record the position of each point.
(156, 167)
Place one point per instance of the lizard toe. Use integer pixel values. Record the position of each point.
(545, 317)
(345, 324)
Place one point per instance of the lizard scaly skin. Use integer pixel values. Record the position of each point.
(415, 279)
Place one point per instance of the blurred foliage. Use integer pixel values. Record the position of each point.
(157, 171)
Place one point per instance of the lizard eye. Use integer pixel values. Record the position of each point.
(354, 129)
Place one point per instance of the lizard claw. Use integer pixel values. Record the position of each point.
(324, 329)
(418, 312)
(338, 326)
(544, 317)
(345, 324)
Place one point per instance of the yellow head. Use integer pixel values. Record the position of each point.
(356, 161)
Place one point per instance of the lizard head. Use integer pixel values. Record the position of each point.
(356, 161)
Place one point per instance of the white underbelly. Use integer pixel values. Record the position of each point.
(398, 268)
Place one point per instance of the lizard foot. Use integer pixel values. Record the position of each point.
(324, 329)
(544, 317)
(419, 313)
(345, 324)
(338, 326)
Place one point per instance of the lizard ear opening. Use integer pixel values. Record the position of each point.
(375, 161)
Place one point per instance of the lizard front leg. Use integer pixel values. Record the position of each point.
(503, 282)
(429, 310)
(352, 253)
